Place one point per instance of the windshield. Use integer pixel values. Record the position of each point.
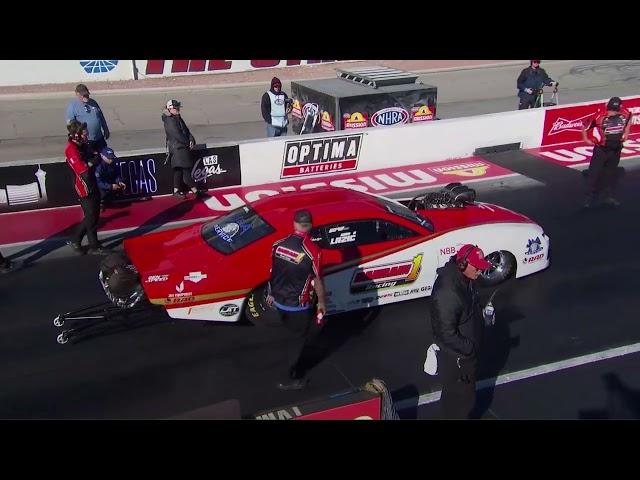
(404, 212)
(240, 228)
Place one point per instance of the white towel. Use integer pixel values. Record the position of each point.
(431, 362)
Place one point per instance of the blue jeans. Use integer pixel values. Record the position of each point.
(273, 131)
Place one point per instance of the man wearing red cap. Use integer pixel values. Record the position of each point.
(457, 324)
(275, 106)
(613, 127)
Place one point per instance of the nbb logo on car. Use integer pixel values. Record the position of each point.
(386, 276)
(321, 155)
(390, 116)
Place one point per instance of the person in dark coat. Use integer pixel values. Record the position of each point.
(457, 324)
(613, 126)
(530, 81)
(180, 142)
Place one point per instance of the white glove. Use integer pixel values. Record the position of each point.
(431, 362)
(528, 90)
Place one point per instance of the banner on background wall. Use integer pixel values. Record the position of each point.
(33, 72)
(565, 124)
(169, 68)
(32, 187)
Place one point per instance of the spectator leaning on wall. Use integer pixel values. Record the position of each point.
(86, 110)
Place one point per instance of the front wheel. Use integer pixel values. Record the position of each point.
(504, 267)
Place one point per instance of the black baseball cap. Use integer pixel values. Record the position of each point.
(303, 216)
(173, 104)
(614, 104)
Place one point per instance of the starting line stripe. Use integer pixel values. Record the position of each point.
(528, 373)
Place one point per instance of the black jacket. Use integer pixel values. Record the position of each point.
(178, 138)
(534, 78)
(456, 317)
(265, 105)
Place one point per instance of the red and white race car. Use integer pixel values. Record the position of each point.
(375, 251)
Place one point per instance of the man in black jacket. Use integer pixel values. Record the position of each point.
(180, 142)
(275, 106)
(530, 81)
(457, 323)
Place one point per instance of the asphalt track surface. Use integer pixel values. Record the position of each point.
(585, 302)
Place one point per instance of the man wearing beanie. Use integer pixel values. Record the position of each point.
(275, 107)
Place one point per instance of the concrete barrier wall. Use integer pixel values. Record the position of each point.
(324, 154)
(30, 72)
(318, 156)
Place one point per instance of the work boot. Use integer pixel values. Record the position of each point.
(6, 266)
(76, 247)
(180, 195)
(611, 202)
(293, 384)
(588, 202)
(99, 251)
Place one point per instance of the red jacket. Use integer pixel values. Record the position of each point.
(85, 182)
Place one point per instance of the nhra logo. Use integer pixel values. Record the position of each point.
(534, 246)
(356, 120)
(321, 155)
(472, 169)
(390, 116)
(421, 114)
(386, 276)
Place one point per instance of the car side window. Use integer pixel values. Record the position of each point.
(361, 232)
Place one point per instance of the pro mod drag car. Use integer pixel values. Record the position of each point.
(375, 251)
